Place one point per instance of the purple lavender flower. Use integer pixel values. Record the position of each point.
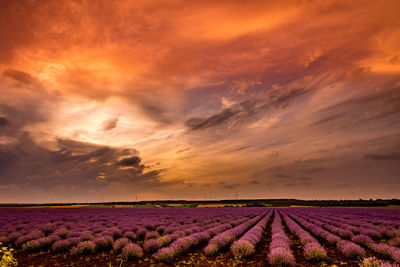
(332, 239)
(141, 233)
(13, 236)
(165, 254)
(151, 234)
(242, 248)
(31, 236)
(346, 234)
(211, 249)
(32, 246)
(350, 250)
(85, 247)
(281, 257)
(165, 240)
(61, 245)
(374, 262)
(116, 232)
(363, 240)
(132, 251)
(130, 235)
(395, 241)
(103, 242)
(61, 232)
(181, 244)
(85, 236)
(372, 233)
(314, 252)
(152, 245)
(387, 250)
(160, 229)
(120, 243)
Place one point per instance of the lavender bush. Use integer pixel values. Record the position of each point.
(132, 251)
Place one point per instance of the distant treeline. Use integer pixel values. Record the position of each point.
(245, 202)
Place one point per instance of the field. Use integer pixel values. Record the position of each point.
(202, 236)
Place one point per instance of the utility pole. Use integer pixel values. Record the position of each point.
(236, 195)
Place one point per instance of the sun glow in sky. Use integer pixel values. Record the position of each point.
(109, 100)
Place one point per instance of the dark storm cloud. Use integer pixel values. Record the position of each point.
(249, 109)
(329, 118)
(64, 155)
(255, 182)
(19, 76)
(130, 162)
(360, 109)
(110, 124)
(389, 156)
(24, 104)
(76, 163)
(154, 111)
(215, 120)
(7, 159)
(24, 114)
(4, 122)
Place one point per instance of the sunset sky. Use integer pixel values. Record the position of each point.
(113, 100)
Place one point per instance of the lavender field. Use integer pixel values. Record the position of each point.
(203, 236)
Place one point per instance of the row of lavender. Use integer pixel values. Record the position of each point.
(167, 233)
(378, 239)
(307, 228)
(130, 231)
(352, 241)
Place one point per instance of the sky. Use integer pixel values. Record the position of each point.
(145, 100)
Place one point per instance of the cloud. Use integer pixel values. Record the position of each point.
(77, 165)
(130, 162)
(110, 124)
(19, 76)
(314, 170)
(280, 175)
(362, 71)
(4, 122)
(298, 184)
(255, 182)
(237, 149)
(329, 119)
(395, 59)
(229, 185)
(248, 110)
(215, 120)
(182, 150)
(154, 112)
(389, 156)
(361, 109)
